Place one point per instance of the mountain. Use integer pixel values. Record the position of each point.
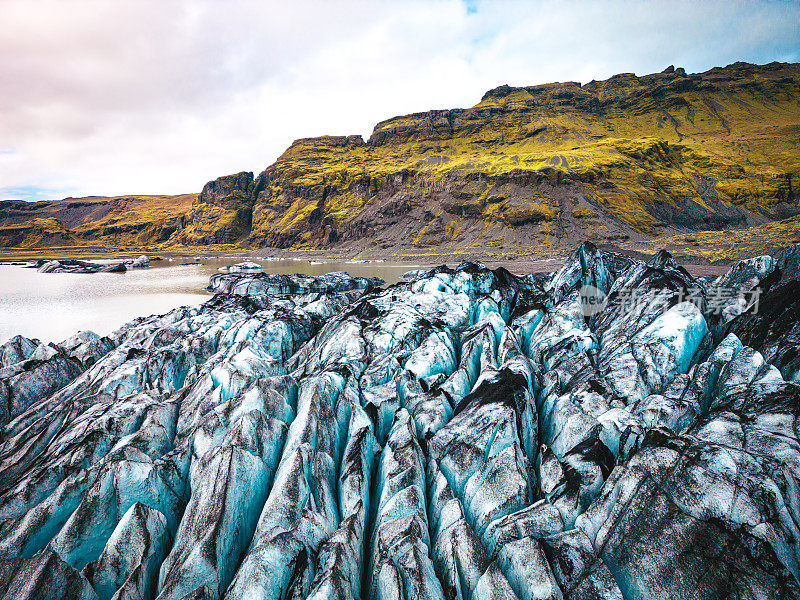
(126, 221)
(622, 161)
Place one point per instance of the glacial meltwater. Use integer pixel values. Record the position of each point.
(53, 306)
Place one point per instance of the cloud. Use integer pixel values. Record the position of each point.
(159, 97)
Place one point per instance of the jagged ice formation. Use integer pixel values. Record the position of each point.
(469, 434)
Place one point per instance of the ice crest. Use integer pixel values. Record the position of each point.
(607, 431)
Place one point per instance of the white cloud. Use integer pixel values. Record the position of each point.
(159, 97)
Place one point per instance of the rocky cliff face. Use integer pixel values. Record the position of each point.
(623, 160)
(626, 159)
(468, 434)
(222, 212)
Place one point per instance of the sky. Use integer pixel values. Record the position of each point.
(158, 97)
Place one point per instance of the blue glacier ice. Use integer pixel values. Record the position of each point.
(466, 434)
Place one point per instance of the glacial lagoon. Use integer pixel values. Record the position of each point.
(53, 306)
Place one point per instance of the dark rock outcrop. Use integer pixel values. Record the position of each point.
(223, 211)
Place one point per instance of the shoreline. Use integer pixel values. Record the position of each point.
(535, 262)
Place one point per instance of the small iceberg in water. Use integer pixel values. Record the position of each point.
(242, 266)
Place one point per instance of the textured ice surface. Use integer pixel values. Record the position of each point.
(469, 434)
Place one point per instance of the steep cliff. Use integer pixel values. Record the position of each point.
(623, 159)
(222, 213)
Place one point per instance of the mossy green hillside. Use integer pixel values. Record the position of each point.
(621, 161)
(719, 148)
(123, 221)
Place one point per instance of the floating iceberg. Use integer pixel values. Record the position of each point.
(239, 267)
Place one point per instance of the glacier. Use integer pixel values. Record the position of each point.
(617, 429)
